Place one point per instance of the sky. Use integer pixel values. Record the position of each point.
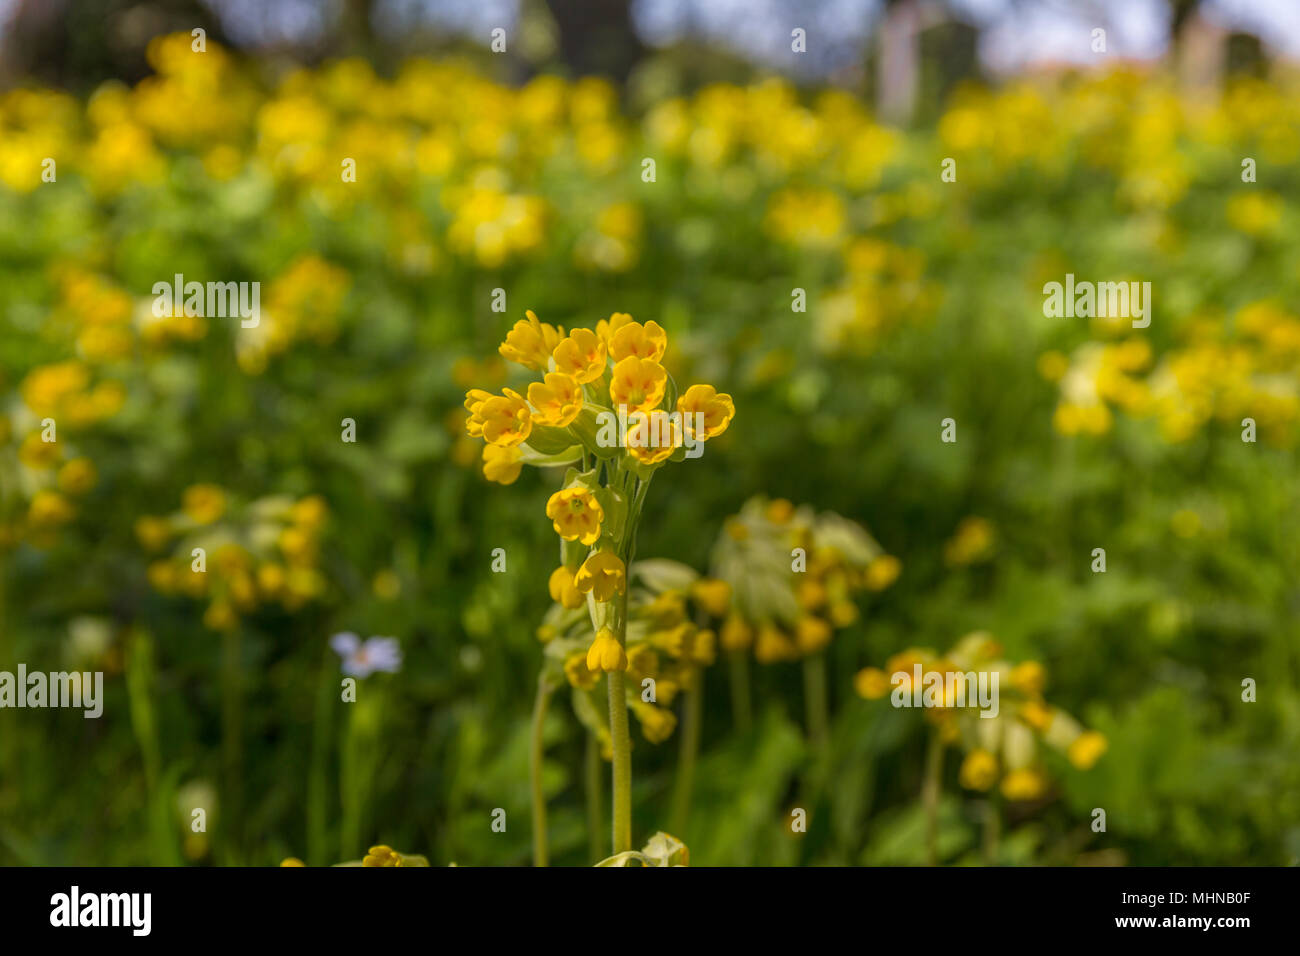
(1015, 34)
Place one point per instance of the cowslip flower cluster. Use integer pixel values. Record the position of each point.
(794, 574)
(666, 645)
(1002, 750)
(606, 407)
(266, 552)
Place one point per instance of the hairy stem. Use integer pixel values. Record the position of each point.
(595, 795)
(535, 758)
(622, 763)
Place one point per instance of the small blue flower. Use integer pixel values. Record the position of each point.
(363, 658)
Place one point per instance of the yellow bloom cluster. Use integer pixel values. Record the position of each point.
(1223, 373)
(669, 639)
(793, 575)
(590, 378)
(303, 303)
(58, 400)
(1004, 747)
(267, 552)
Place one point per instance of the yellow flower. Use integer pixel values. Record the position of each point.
(576, 514)
(474, 400)
(647, 341)
(972, 542)
(716, 407)
(1086, 749)
(810, 593)
(1028, 678)
(563, 590)
(871, 683)
(736, 634)
(843, 613)
(37, 454)
(1024, 784)
(153, 533)
(163, 576)
(581, 356)
(642, 662)
(812, 634)
(77, 476)
(578, 674)
(382, 856)
(712, 595)
(501, 463)
(606, 653)
(310, 512)
(657, 723)
(603, 574)
(271, 579)
(606, 328)
(292, 861)
(220, 616)
(1037, 715)
(203, 503)
(1053, 365)
(979, 770)
(882, 572)
(49, 509)
(771, 646)
(557, 400)
(652, 437)
(531, 342)
(638, 384)
(505, 418)
(780, 511)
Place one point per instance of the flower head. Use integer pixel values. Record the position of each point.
(575, 514)
(563, 591)
(556, 400)
(606, 653)
(638, 384)
(716, 408)
(603, 573)
(531, 342)
(501, 463)
(647, 341)
(652, 437)
(581, 355)
(502, 419)
(979, 770)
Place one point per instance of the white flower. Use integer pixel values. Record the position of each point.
(363, 658)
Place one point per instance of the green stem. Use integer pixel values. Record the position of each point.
(992, 828)
(930, 797)
(595, 792)
(317, 774)
(742, 710)
(231, 734)
(536, 757)
(690, 747)
(814, 699)
(622, 769)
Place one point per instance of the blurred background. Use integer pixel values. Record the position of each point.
(128, 155)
